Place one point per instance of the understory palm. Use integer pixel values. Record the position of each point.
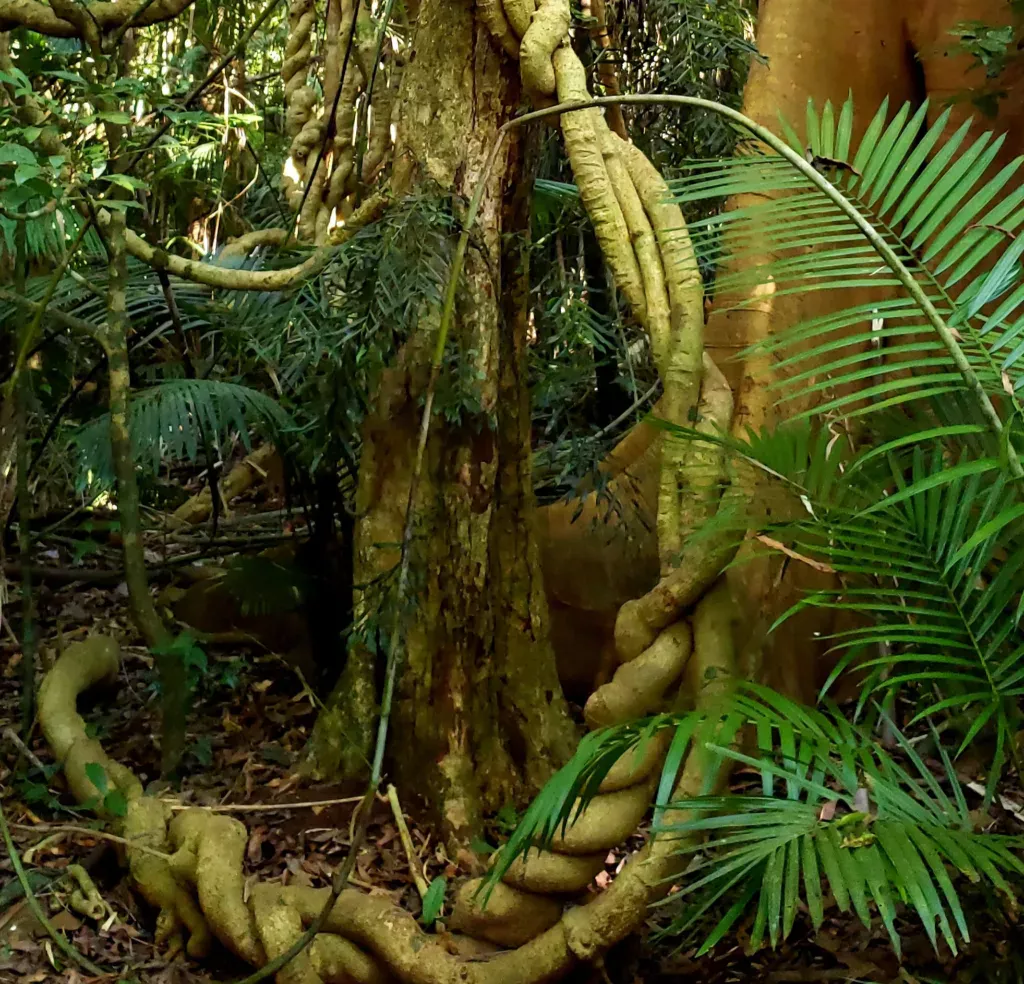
(903, 482)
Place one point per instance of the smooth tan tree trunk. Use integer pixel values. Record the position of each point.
(479, 718)
(826, 50)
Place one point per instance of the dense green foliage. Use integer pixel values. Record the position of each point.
(919, 513)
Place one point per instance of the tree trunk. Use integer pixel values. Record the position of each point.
(479, 717)
(827, 50)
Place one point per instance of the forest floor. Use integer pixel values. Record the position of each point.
(251, 715)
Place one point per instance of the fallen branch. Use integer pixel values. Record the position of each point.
(410, 851)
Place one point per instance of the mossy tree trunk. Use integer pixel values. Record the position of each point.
(479, 716)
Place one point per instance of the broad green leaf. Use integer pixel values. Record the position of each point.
(26, 172)
(433, 900)
(115, 803)
(125, 181)
(11, 153)
(97, 775)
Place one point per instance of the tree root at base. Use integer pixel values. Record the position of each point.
(200, 892)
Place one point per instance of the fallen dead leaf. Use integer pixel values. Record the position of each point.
(66, 921)
(254, 849)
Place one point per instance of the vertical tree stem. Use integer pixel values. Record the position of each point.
(170, 666)
(28, 629)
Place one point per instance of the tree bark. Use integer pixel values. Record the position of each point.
(479, 716)
(827, 50)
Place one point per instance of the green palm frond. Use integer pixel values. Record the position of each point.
(82, 293)
(837, 815)
(47, 236)
(170, 420)
(926, 540)
(928, 196)
(931, 573)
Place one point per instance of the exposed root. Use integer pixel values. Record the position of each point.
(323, 196)
(607, 820)
(241, 246)
(645, 246)
(180, 922)
(714, 621)
(552, 874)
(85, 898)
(518, 14)
(541, 37)
(210, 854)
(492, 13)
(365, 938)
(640, 621)
(582, 133)
(279, 926)
(636, 765)
(242, 477)
(336, 959)
(84, 665)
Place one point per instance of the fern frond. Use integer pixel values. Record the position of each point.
(169, 421)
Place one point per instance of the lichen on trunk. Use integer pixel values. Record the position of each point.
(479, 715)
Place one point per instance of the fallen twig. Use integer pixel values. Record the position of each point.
(410, 850)
(15, 739)
(256, 807)
(818, 565)
(64, 828)
(68, 575)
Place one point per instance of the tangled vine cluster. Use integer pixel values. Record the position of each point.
(324, 198)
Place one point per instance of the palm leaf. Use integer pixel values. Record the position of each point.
(927, 195)
(777, 854)
(778, 851)
(170, 420)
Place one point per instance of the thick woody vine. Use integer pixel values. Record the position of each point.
(326, 169)
(674, 644)
(198, 891)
